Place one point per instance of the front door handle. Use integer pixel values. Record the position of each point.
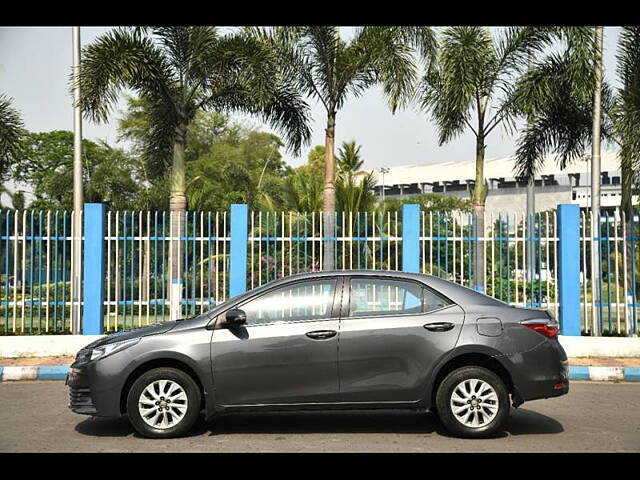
(321, 334)
(439, 326)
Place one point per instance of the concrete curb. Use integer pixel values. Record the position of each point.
(576, 372)
(43, 372)
(604, 374)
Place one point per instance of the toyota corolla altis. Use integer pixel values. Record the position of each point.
(329, 340)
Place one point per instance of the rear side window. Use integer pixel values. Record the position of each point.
(375, 297)
(433, 301)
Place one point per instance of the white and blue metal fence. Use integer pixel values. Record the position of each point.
(127, 261)
(610, 305)
(137, 290)
(36, 255)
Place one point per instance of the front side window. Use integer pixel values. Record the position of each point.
(375, 297)
(300, 301)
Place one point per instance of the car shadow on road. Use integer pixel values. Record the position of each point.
(522, 422)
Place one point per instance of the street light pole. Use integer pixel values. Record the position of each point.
(76, 274)
(383, 170)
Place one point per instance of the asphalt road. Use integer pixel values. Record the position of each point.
(594, 416)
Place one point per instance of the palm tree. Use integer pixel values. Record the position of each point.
(11, 134)
(563, 118)
(330, 70)
(471, 87)
(349, 158)
(353, 194)
(179, 71)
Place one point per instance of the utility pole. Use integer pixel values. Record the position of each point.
(76, 274)
(595, 182)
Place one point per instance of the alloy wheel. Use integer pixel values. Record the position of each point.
(163, 404)
(474, 403)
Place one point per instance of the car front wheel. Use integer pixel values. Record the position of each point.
(473, 402)
(163, 403)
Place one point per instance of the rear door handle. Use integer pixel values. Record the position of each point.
(439, 326)
(321, 334)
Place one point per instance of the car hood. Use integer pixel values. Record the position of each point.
(138, 332)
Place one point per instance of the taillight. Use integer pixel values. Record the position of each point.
(542, 326)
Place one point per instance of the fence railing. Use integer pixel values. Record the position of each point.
(609, 282)
(448, 243)
(36, 255)
(138, 261)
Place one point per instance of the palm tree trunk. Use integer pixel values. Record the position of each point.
(329, 196)
(478, 200)
(178, 208)
(626, 205)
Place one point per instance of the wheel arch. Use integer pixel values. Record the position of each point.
(481, 357)
(160, 362)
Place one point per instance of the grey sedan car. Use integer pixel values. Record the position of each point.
(329, 340)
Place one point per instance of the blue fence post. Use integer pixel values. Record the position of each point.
(239, 238)
(569, 268)
(94, 271)
(411, 238)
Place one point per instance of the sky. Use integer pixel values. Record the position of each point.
(35, 63)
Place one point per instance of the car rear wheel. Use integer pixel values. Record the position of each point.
(473, 402)
(163, 403)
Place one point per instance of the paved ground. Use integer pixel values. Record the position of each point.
(593, 417)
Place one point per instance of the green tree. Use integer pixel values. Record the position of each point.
(349, 158)
(330, 70)
(11, 134)
(304, 186)
(180, 71)
(225, 161)
(430, 202)
(353, 193)
(46, 165)
(17, 197)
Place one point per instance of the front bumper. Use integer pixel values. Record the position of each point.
(80, 400)
(95, 386)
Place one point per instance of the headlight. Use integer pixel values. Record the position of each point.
(110, 348)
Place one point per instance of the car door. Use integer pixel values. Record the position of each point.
(392, 331)
(287, 353)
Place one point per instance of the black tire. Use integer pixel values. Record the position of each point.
(193, 403)
(445, 412)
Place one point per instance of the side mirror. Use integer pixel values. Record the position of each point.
(235, 317)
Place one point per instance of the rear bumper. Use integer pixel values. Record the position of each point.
(542, 372)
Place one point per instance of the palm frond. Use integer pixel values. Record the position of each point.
(11, 133)
(562, 126)
(627, 114)
(121, 58)
(387, 57)
(348, 158)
